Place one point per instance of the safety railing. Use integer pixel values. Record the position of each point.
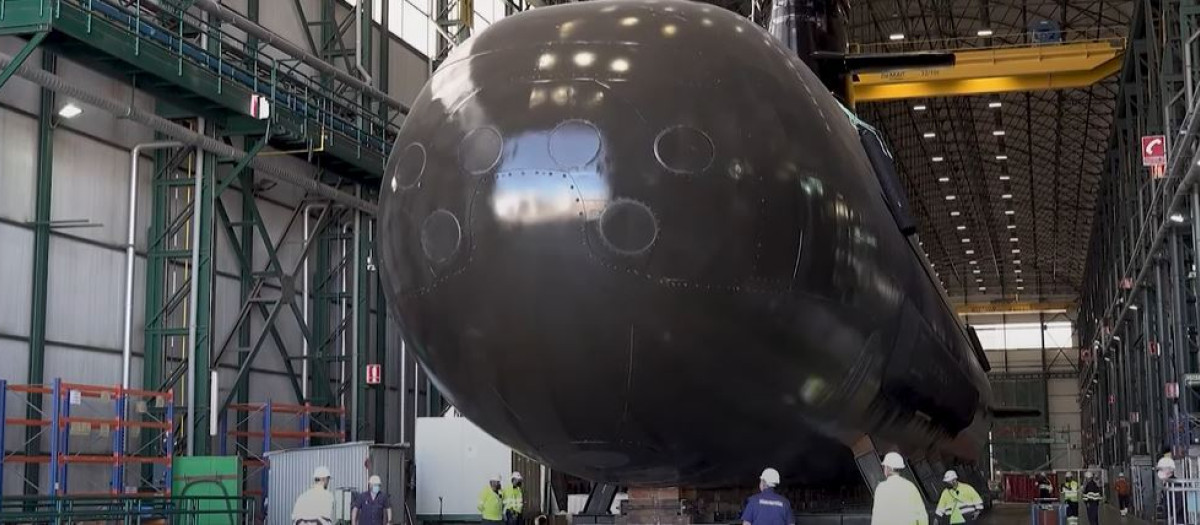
(129, 509)
(996, 41)
(87, 425)
(1179, 502)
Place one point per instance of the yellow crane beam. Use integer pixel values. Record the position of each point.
(999, 307)
(998, 70)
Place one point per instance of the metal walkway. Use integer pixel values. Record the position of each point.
(214, 69)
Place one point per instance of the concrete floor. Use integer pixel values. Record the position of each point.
(1014, 514)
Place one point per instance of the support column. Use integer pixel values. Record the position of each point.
(198, 439)
(41, 271)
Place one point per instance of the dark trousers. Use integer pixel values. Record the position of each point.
(1093, 510)
(511, 518)
(1072, 509)
(1124, 501)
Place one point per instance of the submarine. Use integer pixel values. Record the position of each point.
(642, 242)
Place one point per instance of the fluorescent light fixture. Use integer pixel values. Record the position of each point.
(966, 240)
(970, 252)
(1016, 261)
(1005, 177)
(1012, 239)
(929, 134)
(1001, 157)
(70, 111)
(1006, 196)
(1020, 287)
(961, 227)
(995, 104)
(955, 214)
(950, 197)
(973, 262)
(584, 58)
(1020, 280)
(938, 159)
(919, 107)
(984, 32)
(1133, 307)
(943, 179)
(979, 280)
(1175, 217)
(998, 133)
(896, 36)
(1016, 250)
(975, 271)
(1012, 226)
(983, 288)
(1009, 212)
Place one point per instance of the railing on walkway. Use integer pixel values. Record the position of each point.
(129, 510)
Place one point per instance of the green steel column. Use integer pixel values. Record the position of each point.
(362, 318)
(202, 279)
(152, 343)
(41, 271)
(381, 317)
(246, 180)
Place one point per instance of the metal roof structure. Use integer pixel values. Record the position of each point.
(1003, 186)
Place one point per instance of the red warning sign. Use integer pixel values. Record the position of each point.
(374, 374)
(1154, 150)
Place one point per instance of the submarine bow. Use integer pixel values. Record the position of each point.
(639, 241)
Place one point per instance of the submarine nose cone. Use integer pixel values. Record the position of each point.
(591, 230)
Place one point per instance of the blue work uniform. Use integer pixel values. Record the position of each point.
(372, 510)
(768, 508)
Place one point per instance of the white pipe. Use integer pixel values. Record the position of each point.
(194, 293)
(403, 391)
(356, 314)
(214, 382)
(131, 254)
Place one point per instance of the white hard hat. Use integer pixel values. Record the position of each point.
(1069, 474)
(950, 476)
(1166, 463)
(893, 460)
(375, 481)
(1087, 475)
(770, 476)
(1121, 474)
(516, 476)
(495, 477)
(321, 472)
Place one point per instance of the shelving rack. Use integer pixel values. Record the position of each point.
(302, 425)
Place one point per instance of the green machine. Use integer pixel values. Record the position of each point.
(211, 484)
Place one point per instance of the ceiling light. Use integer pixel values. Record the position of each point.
(1005, 177)
(970, 252)
(896, 36)
(973, 262)
(70, 111)
(1012, 226)
(955, 214)
(984, 32)
(966, 240)
(979, 280)
(1020, 280)
(584, 58)
(943, 179)
(1001, 157)
(983, 288)
(1133, 307)
(1012, 239)
(1175, 217)
(1020, 287)
(1006, 196)
(619, 65)
(1016, 250)
(961, 227)
(1016, 261)
(938, 159)
(929, 134)
(994, 105)
(975, 271)
(919, 107)
(998, 133)
(1009, 212)
(950, 197)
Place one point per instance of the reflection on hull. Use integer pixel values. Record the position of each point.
(637, 240)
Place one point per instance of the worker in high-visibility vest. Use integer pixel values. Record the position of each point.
(1045, 488)
(514, 500)
(959, 500)
(1070, 495)
(490, 507)
(897, 500)
(1092, 498)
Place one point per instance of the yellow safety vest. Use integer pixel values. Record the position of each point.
(489, 505)
(514, 499)
(957, 501)
(1070, 491)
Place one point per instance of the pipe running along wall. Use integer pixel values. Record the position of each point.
(281, 169)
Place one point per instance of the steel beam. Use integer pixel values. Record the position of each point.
(8, 71)
(35, 374)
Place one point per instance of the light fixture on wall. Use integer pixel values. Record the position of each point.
(70, 110)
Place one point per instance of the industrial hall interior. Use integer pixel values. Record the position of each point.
(550, 262)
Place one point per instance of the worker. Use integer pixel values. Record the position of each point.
(1171, 502)
(1045, 488)
(1091, 498)
(959, 500)
(1070, 496)
(1123, 492)
(767, 507)
(372, 507)
(490, 506)
(514, 500)
(315, 505)
(897, 501)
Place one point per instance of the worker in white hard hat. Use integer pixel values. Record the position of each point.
(372, 507)
(897, 500)
(1070, 495)
(491, 507)
(513, 500)
(1092, 497)
(960, 503)
(768, 507)
(315, 505)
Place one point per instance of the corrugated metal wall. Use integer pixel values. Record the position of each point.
(1009, 453)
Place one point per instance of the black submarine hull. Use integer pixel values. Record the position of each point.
(639, 241)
